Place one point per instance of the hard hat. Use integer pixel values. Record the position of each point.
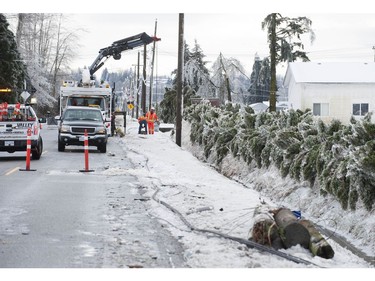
(152, 108)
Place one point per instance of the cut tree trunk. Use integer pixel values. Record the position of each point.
(318, 245)
(264, 229)
(292, 233)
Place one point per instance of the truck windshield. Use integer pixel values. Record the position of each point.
(72, 114)
(87, 101)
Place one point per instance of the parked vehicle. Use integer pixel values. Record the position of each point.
(15, 121)
(78, 119)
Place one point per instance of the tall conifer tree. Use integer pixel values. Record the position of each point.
(12, 69)
(260, 81)
(281, 33)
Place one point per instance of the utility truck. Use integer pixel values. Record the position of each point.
(15, 122)
(85, 93)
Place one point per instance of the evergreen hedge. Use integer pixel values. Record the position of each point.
(339, 159)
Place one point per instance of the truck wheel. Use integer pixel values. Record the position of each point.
(61, 146)
(37, 152)
(102, 148)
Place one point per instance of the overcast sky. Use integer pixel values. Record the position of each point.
(339, 37)
(344, 32)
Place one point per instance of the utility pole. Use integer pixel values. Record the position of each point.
(135, 91)
(179, 78)
(137, 109)
(143, 100)
(152, 66)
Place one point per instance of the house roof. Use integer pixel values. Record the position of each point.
(331, 72)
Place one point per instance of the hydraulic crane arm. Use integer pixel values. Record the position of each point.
(118, 47)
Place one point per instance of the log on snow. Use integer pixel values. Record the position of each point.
(264, 230)
(318, 245)
(292, 233)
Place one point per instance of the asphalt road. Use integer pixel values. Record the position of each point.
(60, 217)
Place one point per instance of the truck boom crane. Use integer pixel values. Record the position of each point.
(118, 47)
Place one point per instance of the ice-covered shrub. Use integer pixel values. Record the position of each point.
(338, 159)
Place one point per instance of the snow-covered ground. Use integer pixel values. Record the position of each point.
(172, 176)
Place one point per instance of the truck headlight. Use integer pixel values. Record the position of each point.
(101, 130)
(65, 129)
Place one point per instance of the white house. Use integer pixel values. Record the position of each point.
(332, 90)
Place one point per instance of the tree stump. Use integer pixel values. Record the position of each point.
(292, 233)
(318, 245)
(265, 231)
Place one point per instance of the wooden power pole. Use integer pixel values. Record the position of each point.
(179, 78)
(143, 100)
(152, 67)
(137, 108)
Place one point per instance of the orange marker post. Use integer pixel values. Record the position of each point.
(28, 151)
(86, 148)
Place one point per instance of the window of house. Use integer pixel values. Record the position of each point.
(360, 109)
(321, 109)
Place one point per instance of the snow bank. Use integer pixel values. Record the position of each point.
(356, 226)
(209, 200)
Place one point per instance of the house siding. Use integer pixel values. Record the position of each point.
(339, 95)
(340, 98)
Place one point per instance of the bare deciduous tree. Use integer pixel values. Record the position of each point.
(46, 45)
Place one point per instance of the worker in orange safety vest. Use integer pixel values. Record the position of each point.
(151, 119)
